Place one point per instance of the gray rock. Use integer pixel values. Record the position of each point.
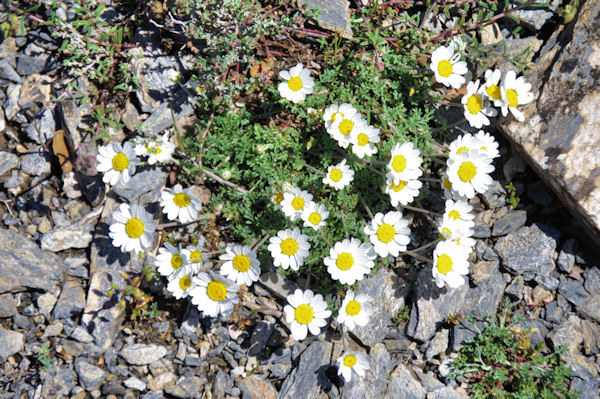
(82, 335)
(591, 309)
(189, 387)
(481, 230)
(8, 305)
(143, 182)
(483, 270)
(7, 72)
(374, 384)
(222, 384)
(444, 393)
(588, 388)
(592, 280)
(309, 377)
(566, 258)
(438, 344)
(70, 302)
(260, 336)
(277, 284)
(574, 292)
(484, 251)
(569, 333)
(335, 15)
(52, 330)
(36, 164)
(90, 376)
(11, 342)
(255, 387)
(43, 127)
(280, 362)
(509, 223)
(92, 188)
(495, 196)
(548, 282)
(591, 337)
(535, 17)
(538, 191)
(61, 238)
(154, 74)
(24, 265)
(432, 305)
(135, 383)
(78, 266)
(564, 78)
(162, 118)
(8, 162)
(11, 104)
(45, 303)
(139, 354)
(528, 249)
(387, 292)
(403, 384)
(515, 288)
(29, 65)
(58, 385)
(553, 312)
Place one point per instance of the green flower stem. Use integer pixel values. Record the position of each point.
(430, 179)
(417, 209)
(315, 169)
(344, 223)
(177, 224)
(364, 204)
(324, 238)
(256, 245)
(430, 244)
(417, 256)
(219, 179)
(450, 126)
(440, 155)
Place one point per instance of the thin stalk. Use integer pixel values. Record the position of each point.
(315, 169)
(447, 127)
(324, 238)
(219, 179)
(430, 179)
(344, 223)
(262, 241)
(177, 224)
(416, 256)
(429, 244)
(421, 210)
(364, 204)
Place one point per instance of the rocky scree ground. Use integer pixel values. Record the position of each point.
(61, 337)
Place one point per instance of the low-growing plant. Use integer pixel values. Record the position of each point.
(501, 363)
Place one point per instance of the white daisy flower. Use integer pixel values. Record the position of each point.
(160, 151)
(132, 229)
(476, 106)
(334, 111)
(350, 260)
(449, 192)
(116, 162)
(491, 87)
(450, 264)
(194, 255)
(456, 210)
(515, 91)
(363, 138)
(277, 197)
(388, 233)
(241, 265)
(289, 248)
(402, 193)
(461, 144)
(169, 260)
(179, 202)
(405, 162)
(314, 215)
(352, 361)
(339, 176)
(214, 294)
(298, 84)
(458, 44)
(355, 311)
(470, 172)
(342, 127)
(306, 312)
(180, 283)
(457, 231)
(447, 67)
(294, 202)
(488, 144)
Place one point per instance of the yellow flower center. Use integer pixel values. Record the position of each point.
(493, 91)
(277, 198)
(362, 139)
(304, 314)
(349, 360)
(400, 186)
(216, 290)
(386, 233)
(289, 246)
(298, 203)
(346, 127)
(445, 68)
(181, 200)
(512, 97)
(399, 163)
(344, 261)
(332, 119)
(454, 215)
(353, 308)
(155, 149)
(467, 171)
(120, 162)
(335, 175)
(461, 150)
(314, 218)
(134, 228)
(447, 184)
(196, 256)
(295, 83)
(241, 263)
(446, 233)
(185, 282)
(444, 264)
(176, 261)
(474, 104)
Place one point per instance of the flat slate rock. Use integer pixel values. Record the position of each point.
(335, 15)
(24, 265)
(375, 382)
(562, 147)
(305, 381)
(529, 249)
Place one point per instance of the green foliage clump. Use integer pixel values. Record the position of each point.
(501, 363)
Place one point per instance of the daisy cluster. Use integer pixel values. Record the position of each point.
(506, 93)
